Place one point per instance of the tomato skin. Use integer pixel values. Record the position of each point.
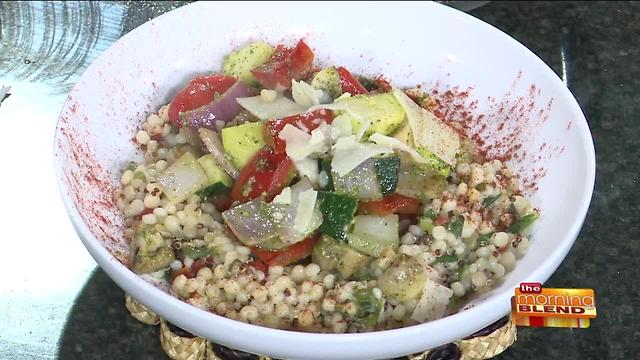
(198, 92)
(307, 122)
(288, 255)
(285, 65)
(195, 267)
(390, 204)
(349, 83)
(266, 174)
(259, 265)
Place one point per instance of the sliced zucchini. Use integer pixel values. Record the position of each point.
(387, 169)
(373, 233)
(338, 213)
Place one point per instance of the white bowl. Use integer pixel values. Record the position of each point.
(410, 43)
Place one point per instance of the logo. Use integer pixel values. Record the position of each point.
(533, 305)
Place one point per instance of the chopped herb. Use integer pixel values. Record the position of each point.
(523, 223)
(140, 176)
(489, 200)
(445, 259)
(483, 240)
(456, 226)
(368, 306)
(196, 252)
(431, 214)
(212, 190)
(132, 166)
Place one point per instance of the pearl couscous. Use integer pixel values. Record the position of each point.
(290, 197)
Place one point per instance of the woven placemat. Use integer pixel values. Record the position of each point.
(178, 344)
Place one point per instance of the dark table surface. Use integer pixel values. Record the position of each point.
(69, 308)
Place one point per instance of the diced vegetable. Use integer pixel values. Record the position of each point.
(433, 302)
(361, 182)
(391, 204)
(198, 92)
(214, 172)
(151, 252)
(212, 141)
(328, 80)
(242, 142)
(305, 122)
(368, 306)
(523, 223)
(280, 107)
(403, 280)
(489, 200)
(338, 213)
(255, 221)
(348, 83)
(372, 234)
(285, 65)
(213, 191)
(382, 111)
(387, 169)
(240, 62)
(331, 255)
(224, 108)
(183, 178)
(456, 226)
(266, 174)
(289, 255)
(434, 163)
(326, 180)
(418, 181)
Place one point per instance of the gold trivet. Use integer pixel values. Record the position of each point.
(180, 347)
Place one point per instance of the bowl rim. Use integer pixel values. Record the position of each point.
(465, 322)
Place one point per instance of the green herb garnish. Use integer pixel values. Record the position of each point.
(445, 259)
(431, 214)
(456, 226)
(196, 252)
(489, 200)
(523, 223)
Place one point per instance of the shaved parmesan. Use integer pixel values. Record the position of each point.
(304, 214)
(428, 131)
(276, 109)
(306, 96)
(297, 142)
(340, 127)
(284, 197)
(433, 303)
(308, 167)
(438, 138)
(397, 145)
(348, 154)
